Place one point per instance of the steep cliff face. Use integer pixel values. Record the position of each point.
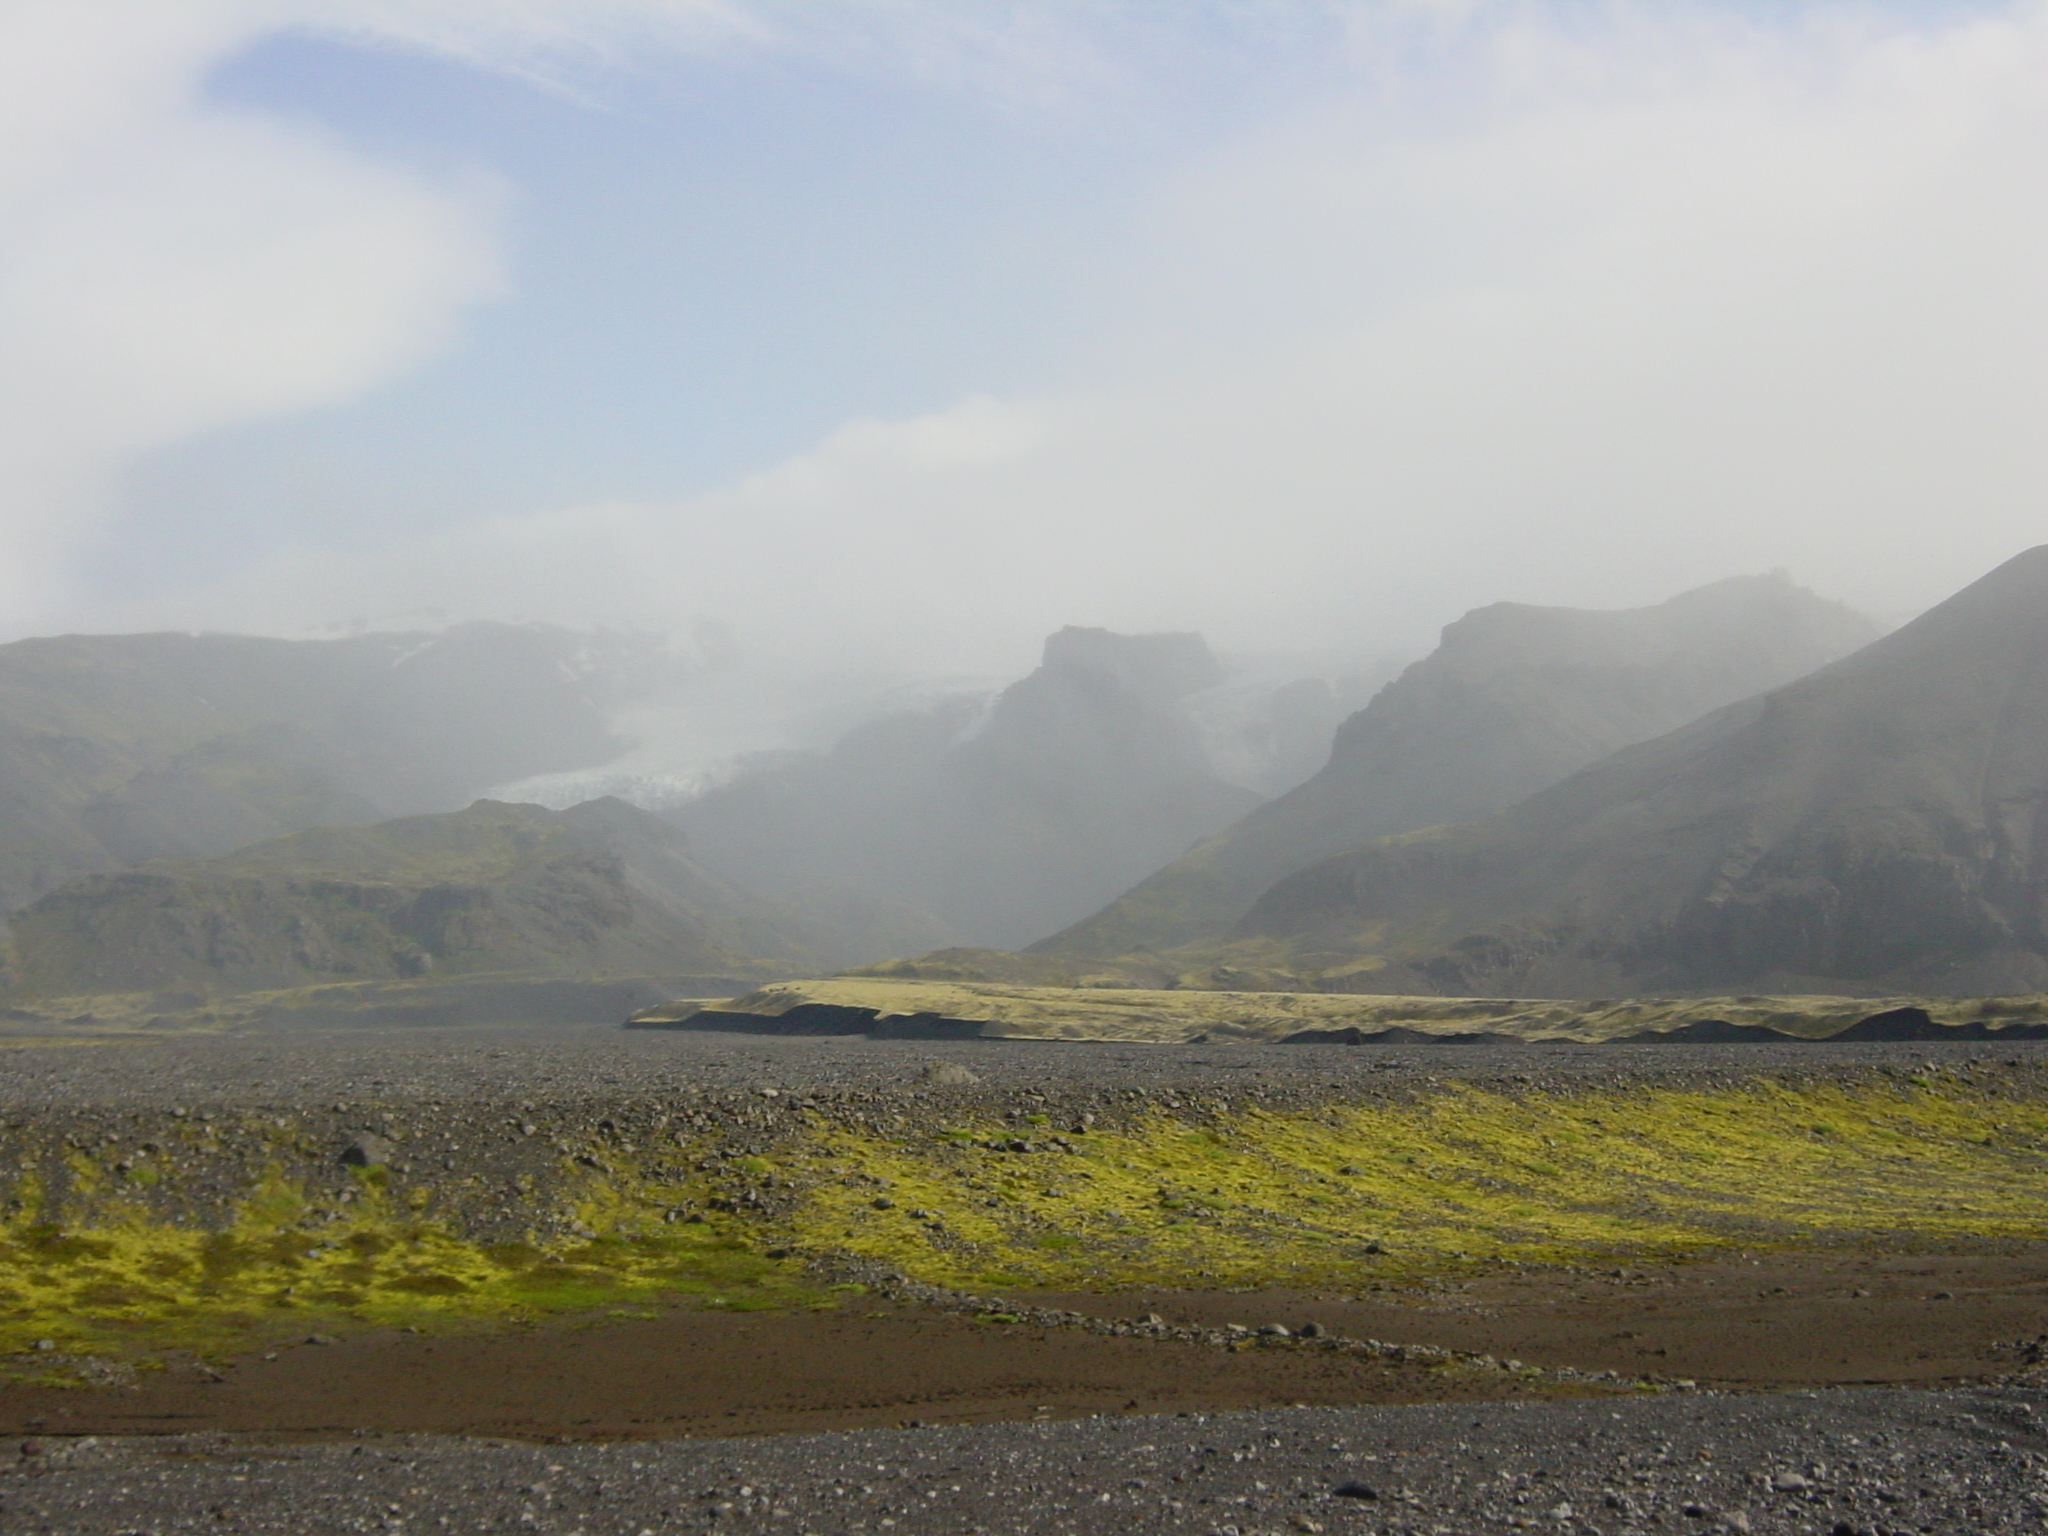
(116, 749)
(1882, 824)
(1513, 700)
(986, 823)
(598, 890)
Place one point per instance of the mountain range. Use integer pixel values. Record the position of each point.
(600, 890)
(1741, 790)
(119, 749)
(1514, 699)
(987, 822)
(1879, 825)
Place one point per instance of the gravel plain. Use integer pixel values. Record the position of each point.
(584, 1063)
(1852, 1460)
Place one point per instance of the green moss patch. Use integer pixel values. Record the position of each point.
(140, 1286)
(1345, 1195)
(1332, 1195)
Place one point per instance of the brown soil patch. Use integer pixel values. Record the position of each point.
(707, 1373)
(1757, 1320)
(1768, 1320)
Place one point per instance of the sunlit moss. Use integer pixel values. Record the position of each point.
(129, 1281)
(1349, 1194)
(1339, 1195)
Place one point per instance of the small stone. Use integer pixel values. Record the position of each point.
(1562, 1512)
(883, 1203)
(46, 1344)
(1790, 1482)
(949, 1074)
(1350, 1171)
(321, 1338)
(1736, 1520)
(1310, 1330)
(1695, 1511)
(31, 1447)
(1356, 1490)
(368, 1150)
(1275, 1331)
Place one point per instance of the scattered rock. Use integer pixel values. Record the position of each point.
(368, 1150)
(883, 1203)
(1356, 1490)
(949, 1074)
(1790, 1482)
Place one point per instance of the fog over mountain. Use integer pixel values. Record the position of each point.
(1515, 698)
(600, 891)
(117, 749)
(986, 822)
(1874, 827)
(715, 407)
(885, 338)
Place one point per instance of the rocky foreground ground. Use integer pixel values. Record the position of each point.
(1856, 1461)
(1956, 1458)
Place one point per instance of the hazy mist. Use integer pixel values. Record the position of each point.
(908, 334)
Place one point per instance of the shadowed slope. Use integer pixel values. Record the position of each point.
(1514, 699)
(1877, 826)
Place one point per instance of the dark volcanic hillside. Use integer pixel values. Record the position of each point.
(1880, 825)
(116, 749)
(985, 824)
(602, 889)
(1514, 699)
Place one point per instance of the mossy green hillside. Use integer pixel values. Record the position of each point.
(1346, 1195)
(214, 1231)
(628, 1207)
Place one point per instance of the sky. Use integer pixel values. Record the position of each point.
(890, 335)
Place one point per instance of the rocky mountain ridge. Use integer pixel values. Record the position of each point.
(1876, 827)
(1514, 699)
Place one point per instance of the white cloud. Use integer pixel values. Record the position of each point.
(168, 268)
(1574, 313)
